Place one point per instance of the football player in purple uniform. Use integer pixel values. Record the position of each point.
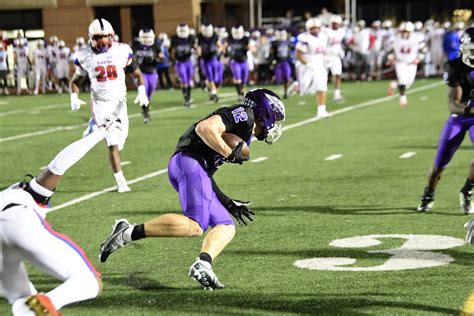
(281, 55)
(182, 45)
(459, 76)
(208, 49)
(199, 153)
(238, 46)
(146, 53)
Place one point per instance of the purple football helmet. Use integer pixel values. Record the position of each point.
(467, 46)
(269, 110)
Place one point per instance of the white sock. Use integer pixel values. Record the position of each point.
(119, 177)
(322, 107)
(127, 234)
(73, 153)
(75, 289)
(337, 93)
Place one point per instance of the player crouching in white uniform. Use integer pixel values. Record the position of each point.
(405, 57)
(310, 68)
(104, 61)
(26, 236)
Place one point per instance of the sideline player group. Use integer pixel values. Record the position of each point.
(199, 153)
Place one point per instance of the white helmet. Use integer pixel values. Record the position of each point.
(406, 27)
(80, 41)
(39, 43)
(312, 22)
(238, 32)
(207, 30)
(459, 25)
(447, 25)
(256, 34)
(281, 35)
(101, 34)
(182, 30)
(376, 23)
(387, 24)
(361, 23)
(146, 37)
(418, 25)
(53, 39)
(336, 19)
(61, 43)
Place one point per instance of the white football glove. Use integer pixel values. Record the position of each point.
(76, 102)
(141, 98)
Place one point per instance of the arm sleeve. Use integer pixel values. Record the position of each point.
(79, 70)
(451, 76)
(224, 199)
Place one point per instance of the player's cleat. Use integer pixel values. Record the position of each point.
(201, 271)
(41, 305)
(146, 114)
(187, 104)
(470, 232)
(403, 101)
(338, 99)
(465, 198)
(240, 97)
(427, 201)
(214, 97)
(323, 114)
(115, 241)
(123, 188)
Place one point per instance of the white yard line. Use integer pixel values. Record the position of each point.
(333, 157)
(70, 127)
(46, 107)
(407, 155)
(162, 171)
(124, 163)
(259, 159)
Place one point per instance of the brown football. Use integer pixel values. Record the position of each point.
(233, 140)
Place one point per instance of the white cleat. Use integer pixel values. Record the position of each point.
(403, 101)
(201, 271)
(470, 232)
(123, 188)
(338, 99)
(323, 114)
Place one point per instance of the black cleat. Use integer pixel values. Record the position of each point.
(465, 202)
(427, 201)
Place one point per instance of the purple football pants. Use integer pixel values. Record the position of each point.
(282, 72)
(197, 198)
(151, 80)
(185, 71)
(451, 138)
(240, 70)
(211, 70)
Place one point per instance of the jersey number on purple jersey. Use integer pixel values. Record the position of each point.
(240, 115)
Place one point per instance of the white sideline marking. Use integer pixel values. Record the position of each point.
(302, 103)
(70, 127)
(162, 171)
(46, 107)
(124, 163)
(333, 157)
(109, 189)
(259, 159)
(407, 155)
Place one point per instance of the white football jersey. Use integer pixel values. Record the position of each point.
(406, 49)
(40, 56)
(63, 55)
(335, 39)
(105, 70)
(313, 47)
(3, 60)
(21, 56)
(52, 53)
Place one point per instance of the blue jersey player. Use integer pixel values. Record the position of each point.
(200, 151)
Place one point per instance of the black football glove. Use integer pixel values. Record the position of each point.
(236, 154)
(239, 209)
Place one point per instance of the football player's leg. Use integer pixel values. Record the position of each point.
(59, 256)
(71, 154)
(321, 91)
(236, 75)
(465, 194)
(336, 70)
(189, 75)
(450, 139)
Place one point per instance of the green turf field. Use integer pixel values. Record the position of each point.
(302, 204)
